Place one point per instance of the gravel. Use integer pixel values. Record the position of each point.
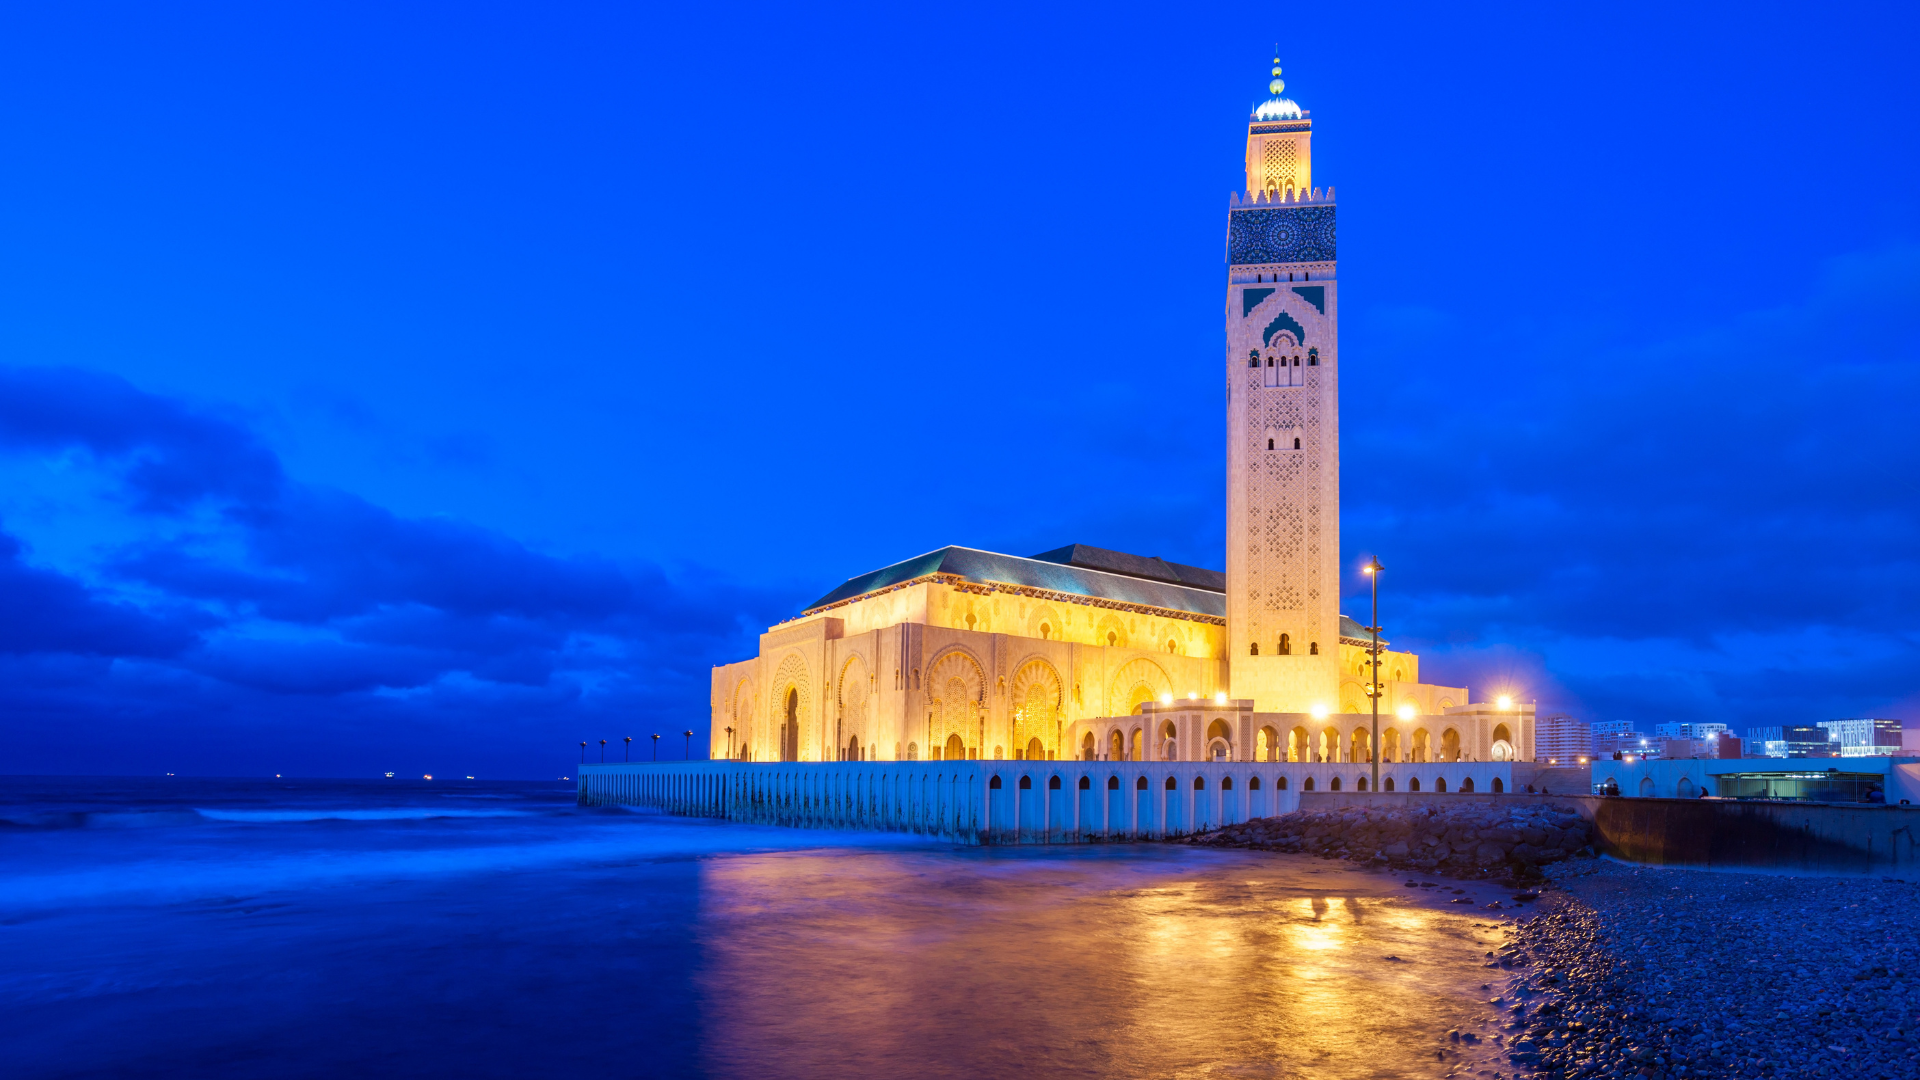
(1657, 972)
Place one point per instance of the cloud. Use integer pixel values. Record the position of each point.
(1705, 498)
(253, 594)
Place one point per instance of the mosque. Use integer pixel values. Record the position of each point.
(1085, 653)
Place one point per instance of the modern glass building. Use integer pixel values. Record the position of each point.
(1863, 737)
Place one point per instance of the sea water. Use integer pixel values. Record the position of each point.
(281, 928)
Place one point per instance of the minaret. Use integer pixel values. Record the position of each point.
(1283, 422)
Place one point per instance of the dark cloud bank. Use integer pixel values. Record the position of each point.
(263, 624)
(1724, 526)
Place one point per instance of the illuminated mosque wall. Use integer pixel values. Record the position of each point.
(1088, 654)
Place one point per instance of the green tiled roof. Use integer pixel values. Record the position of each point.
(1053, 572)
(1077, 570)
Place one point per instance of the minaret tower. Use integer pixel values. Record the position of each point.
(1283, 422)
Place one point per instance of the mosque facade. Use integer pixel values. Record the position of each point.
(1091, 654)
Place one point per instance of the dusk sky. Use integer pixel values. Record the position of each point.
(430, 390)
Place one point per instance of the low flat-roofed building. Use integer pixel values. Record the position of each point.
(1893, 780)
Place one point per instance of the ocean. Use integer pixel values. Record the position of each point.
(162, 927)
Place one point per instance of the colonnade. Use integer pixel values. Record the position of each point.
(1007, 802)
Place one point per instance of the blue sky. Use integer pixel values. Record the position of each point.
(430, 390)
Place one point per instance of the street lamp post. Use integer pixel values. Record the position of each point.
(656, 748)
(603, 751)
(1372, 570)
(629, 742)
(686, 749)
(583, 751)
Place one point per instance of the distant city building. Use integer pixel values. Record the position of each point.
(1612, 737)
(1863, 737)
(1727, 745)
(1791, 741)
(1561, 739)
(1687, 730)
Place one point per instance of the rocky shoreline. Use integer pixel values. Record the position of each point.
(1653, 973)
(1673, 973)
(1474, 840)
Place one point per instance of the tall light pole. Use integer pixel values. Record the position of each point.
(1372, 570)
(686, 750)
(603, 751)
(656, 748)
(629, 741)
(583, 751)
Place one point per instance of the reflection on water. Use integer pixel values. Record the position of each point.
(1150, 961)
(255, 929)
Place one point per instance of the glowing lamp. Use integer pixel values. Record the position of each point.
(1505, 703)
(1319, 712)
(1406, 712)
(1220, 698)
(1193, 695)
(1166, 699)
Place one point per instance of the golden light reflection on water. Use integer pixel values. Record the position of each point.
(1143, 961)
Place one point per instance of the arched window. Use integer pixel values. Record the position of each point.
(1313, 648)
(1113, 783)
(1313, 357)
(1199, 783)
(1086, 783)
(1170, 645)
(1141, 784)
(1253, 358)
(913, 751)
(1440, 783)
(1362, 786)
(1334, 784)
(1308, 786)
(1112, 638)
(1466, 785)
(1026, 783)
(1226, 783)
(993, 784)
(1256, 649)
(1053, 783)
(1254, 784)
(1498, 787)
(1413, 784)
(1170, 784)
(1387, 784)
(1296, 444)
(1286, 645)
(1045, 629)
(1269, 444)
(1280, 784)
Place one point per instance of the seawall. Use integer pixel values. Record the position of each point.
(1002, 802)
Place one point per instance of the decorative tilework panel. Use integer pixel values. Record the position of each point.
(1284, 322)
(1251, 298)
(1315, 295)
(1280, 234)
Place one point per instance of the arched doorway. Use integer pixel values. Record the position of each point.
(1086, 746)
(1219, 747)
(1390, 746)
(955, 750)
(1116, 746)
(1297, 744)
(853, 748)
(1168, 747)
(1450, 745)
(1035, 751)
(1422, 745)
(790, 728)
(1502, 748)
(1358, 746)
(1267, 745)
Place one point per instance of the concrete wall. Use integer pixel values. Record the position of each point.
(1777, 835)
(958, 800)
